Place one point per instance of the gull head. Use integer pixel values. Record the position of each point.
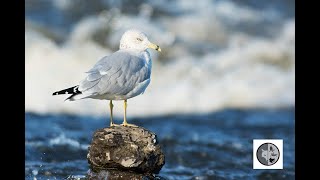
(137, 40)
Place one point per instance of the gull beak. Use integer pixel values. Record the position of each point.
(153, 46)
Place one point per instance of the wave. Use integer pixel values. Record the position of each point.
(211, 58)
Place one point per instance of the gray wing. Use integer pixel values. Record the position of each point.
(116, 74)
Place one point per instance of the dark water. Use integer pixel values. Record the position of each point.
(197, 146)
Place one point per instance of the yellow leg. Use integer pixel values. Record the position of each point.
(111, 114)
(125, 123)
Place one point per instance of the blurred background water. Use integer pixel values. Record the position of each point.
(226, 76)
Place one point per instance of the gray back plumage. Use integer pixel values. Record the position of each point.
(116, 74)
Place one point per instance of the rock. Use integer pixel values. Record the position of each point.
(123, 175)
(126, 149)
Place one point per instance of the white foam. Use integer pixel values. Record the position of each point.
(63, 140)
(247, 71)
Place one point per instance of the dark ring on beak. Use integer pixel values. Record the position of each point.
(157, 47)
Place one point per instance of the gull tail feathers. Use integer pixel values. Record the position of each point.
(74, 91)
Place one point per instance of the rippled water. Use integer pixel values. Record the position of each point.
(197, 146)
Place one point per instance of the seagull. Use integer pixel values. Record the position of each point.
(122, 75)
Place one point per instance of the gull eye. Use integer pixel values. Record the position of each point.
(139, 39)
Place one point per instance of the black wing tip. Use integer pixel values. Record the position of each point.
(71, 90)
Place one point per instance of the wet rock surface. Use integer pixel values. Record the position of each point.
(127, 149)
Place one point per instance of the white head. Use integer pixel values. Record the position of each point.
(135, 39)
